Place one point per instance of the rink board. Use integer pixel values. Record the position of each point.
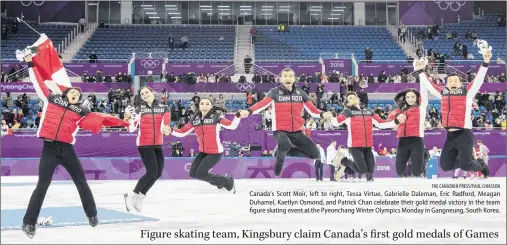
(12, 219)
(125, 168)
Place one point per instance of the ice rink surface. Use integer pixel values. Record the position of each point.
(195, 205)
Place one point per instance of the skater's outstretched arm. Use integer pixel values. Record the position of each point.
(341, 119)
(474, 86)
(381, 123)
(259, 106)
(434, 89)
(182, 132)
(423, 96)
(228, 124)
(38, 82)
(166, 121)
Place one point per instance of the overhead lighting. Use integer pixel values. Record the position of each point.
(283, 10)
(333, 18)
(266, 10)
(314, 14)
(268, 7)
(148, 8)
(171, 9)
(170, 5)
(206, 9)
(224, 6)
(175, 17)
(339, 7)
(154, 17)
(205, 6)
(316, 10)
(284, 6)
(148, 5)
(336, 14)
(245, 6)
(210, 14)
(151, 13)
(316, 7)
(224, 13)
(338, 10)
(245, 13)
(173, 13)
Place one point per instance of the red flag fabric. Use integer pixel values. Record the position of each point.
(50, 66)
(94, 121)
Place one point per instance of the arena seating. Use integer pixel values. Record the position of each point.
(26, 36)
(211, 43)
(308, 42)
(486, 29)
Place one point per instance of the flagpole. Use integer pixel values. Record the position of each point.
(20, 20)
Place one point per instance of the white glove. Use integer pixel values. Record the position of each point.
(132, 112)
(483, 46)
(27, 52)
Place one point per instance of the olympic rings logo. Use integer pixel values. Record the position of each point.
(453, 5)
(106, 135)
(187, 167)
(94, 66)
(200, 66)
(36, 3)
(150, 63)
(503, 133)
(245, 86)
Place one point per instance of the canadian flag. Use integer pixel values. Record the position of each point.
(50, 66)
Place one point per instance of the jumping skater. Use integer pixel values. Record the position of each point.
(61, 117)
(412, 106)
(288, 123)
(360, 123)
(207, 124)
(153, 120)
(456, 105)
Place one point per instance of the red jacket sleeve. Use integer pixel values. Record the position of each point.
(182, 132)
(94, 121)
(38, 81)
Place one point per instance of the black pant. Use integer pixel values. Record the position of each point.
(53, 154)
(319, 169)
(153, 160)
(363, 160)
(201, 166)
(413, 148)
(295, 144)
(458, 152)
(333, 169)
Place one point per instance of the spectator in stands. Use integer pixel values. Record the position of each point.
(99, 76)
(93, 57)
(8, 100)
(457, 48)
(196, 99)
(171, 42)
(268, 118)
(14, 27)
(368, 54)
(248, 64)
(253, 33)
(382, 77)
(5, 128)
(184, 42)
(4, 35)
(234, 149)
(82, 23)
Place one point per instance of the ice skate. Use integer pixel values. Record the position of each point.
(29, 230)
(138, 204)
(93, 221)
(230, 185)
(130, 198)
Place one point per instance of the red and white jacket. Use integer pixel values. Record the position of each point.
(150, 123)
(456, 107)
(415, 117)
(360, 125)
(60, 120)
(287, 109)
(207, 131)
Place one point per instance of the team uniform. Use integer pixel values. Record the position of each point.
(288, 123)
(411, 133)
(456, 109)
(207, 130)
(58, 127)
(149, 124)
(360, 139)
